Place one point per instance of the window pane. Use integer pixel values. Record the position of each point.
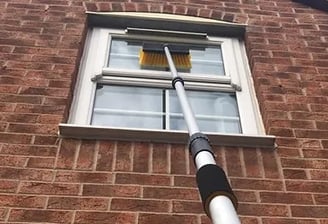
(208, 125)
(215, 112)
(207, 60)
(207, 103)
(124, 54)
(139, 107)
(135, 107)
(127, 120)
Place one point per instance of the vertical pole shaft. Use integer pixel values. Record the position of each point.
(217, 196)
(186, 108)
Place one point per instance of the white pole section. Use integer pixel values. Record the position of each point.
(186, 108)
(222, 211)
(213, 185)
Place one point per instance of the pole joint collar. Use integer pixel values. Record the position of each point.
(177, 79)
(199, 142)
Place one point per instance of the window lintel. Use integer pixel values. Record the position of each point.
(161, 21)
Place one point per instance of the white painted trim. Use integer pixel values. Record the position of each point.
(165, 136)
(166, 17)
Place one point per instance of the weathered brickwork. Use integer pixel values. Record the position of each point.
(45, 179)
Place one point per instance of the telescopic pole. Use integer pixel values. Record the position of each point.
(218, 199)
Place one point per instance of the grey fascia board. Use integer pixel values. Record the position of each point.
(114, 21)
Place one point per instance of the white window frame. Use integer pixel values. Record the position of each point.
(93, 69)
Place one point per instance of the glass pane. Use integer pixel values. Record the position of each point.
(207, 60)
(122, 106)
(128, 98)
(215, 112)
(124, 54)
(208, 125)
(127, 120)
(207, 103)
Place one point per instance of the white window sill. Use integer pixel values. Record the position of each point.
(99, 132)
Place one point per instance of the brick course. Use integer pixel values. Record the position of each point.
(48, 179)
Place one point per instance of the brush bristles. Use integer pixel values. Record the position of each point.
(158, 60)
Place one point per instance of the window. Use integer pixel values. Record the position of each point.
(118, 93)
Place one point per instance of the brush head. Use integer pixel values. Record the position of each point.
(152, 56)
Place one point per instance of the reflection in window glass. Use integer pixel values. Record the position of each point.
(152, 108)
(214, 111)
(204, 59)
(133, 107)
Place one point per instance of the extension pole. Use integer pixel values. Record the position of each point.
(218, 199)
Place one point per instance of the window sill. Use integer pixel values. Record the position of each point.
(98, 132)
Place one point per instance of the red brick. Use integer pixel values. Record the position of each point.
(86, 155)
(121, 204)
(104, 217)
(263, 210)
(256, 184)
(252, 163)
(160, 161)
(161, 218)
(319, 174)
(294, 174)
(185, 181)
(67, 151)
(49, 188)
(321, 199)
(142, 179)
(304, 163)
(20, 215)
(178, 159)
(28, 150)
(111, 190)
(26, 174)
(286, 198)
(308, 186)
(105, 156)
(249, 220)
(41, 162)
(270, 165)
(44, 109)
(15, 138)
(8, 186)
(187, 207)
(245, 196)
(316, 154)
(234, 167)
(83, 177)
(49, 140)
(123, 156)
(73, 203)
(32, 128)
(141, 154)
(288, 221)
(50, 119)
(171, 193)
(22, 201)
(308, 211)
(17, 161)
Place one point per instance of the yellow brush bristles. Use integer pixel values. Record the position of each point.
(158, 60)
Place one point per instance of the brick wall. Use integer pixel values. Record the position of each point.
(48, 179)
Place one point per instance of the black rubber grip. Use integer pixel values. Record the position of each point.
(212, 182)
(199, 142)
(177, 79)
